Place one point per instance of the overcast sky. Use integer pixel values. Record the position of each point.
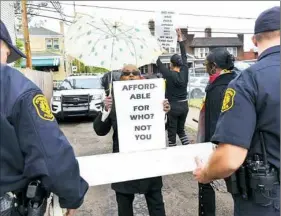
(220, 8)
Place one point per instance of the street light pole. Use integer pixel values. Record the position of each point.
(26, 34)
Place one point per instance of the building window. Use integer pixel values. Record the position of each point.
(56, 44)
(167, 65)
(232, 50)
(52, 44)
(144, 69)
(49, 43)
(201, 52)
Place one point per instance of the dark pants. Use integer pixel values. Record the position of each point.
(176, 122)
(154, 200)
(249, 208)
(207, 200)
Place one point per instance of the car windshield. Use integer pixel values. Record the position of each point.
(87, 83)
(241, 65)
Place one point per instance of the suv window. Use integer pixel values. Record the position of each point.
(193, 80)
(204, 81)
(90, 83)
(87, 83)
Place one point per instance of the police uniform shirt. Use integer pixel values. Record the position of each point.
(252, 104)
(32, 145)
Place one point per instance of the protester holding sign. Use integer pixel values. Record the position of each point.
(125, 191)
(176, 92)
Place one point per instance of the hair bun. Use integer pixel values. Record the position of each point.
(230, 61)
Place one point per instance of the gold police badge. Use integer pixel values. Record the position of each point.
(228, 100)
(42, 107)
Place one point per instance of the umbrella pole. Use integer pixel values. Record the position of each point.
(111, 77)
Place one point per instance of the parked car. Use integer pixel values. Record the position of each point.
(240, 66)
(196, 86)
(78, 96)
(250, 62)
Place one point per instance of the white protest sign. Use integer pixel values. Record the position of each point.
(110, 168)
(165, 29)
(140, 115)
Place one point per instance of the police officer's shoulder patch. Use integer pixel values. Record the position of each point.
(228, 100)
(42, 107)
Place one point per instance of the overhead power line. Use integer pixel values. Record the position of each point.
(189, 27)
(40, 6)
(46, 17)
(151, 11)
(47, 10)
(57, 6)
(222, 32)
(33, 8)
(216, 32)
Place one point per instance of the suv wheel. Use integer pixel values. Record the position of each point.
(196, 93)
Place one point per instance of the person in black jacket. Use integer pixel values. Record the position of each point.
(219, 65)
(125, 191)
(176, 92)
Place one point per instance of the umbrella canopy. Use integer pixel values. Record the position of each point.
(110, 44)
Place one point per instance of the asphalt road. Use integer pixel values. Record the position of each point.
(180, 191)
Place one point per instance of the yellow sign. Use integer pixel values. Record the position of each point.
(228, 100)
(42, 107)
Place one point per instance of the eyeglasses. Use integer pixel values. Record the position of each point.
(134, 73)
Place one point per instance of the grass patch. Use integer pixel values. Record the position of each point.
(195, 102)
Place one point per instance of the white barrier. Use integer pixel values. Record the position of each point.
(118, 167)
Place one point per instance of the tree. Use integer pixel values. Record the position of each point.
(33, 9)
(20, 46)
(81, 68)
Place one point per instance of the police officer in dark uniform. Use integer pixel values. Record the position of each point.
(176, 93)
(248, 130)
(32, 145)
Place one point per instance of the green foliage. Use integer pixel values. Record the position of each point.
(81, 68)
(20, 46)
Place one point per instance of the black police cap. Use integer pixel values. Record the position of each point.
(269, 20)
(5, 36)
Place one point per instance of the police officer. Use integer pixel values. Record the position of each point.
(32, 145)
(248, 130)
(176, 92)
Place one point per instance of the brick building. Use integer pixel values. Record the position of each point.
(198, 47)
(250, 55)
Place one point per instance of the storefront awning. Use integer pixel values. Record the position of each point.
(41, 62)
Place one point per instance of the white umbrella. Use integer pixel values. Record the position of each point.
(107, 43)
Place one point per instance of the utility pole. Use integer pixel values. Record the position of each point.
(74, 9)
(26, 34)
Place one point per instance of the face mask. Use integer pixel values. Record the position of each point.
(213, 77)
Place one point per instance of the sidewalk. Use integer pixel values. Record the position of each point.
(193, 113)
